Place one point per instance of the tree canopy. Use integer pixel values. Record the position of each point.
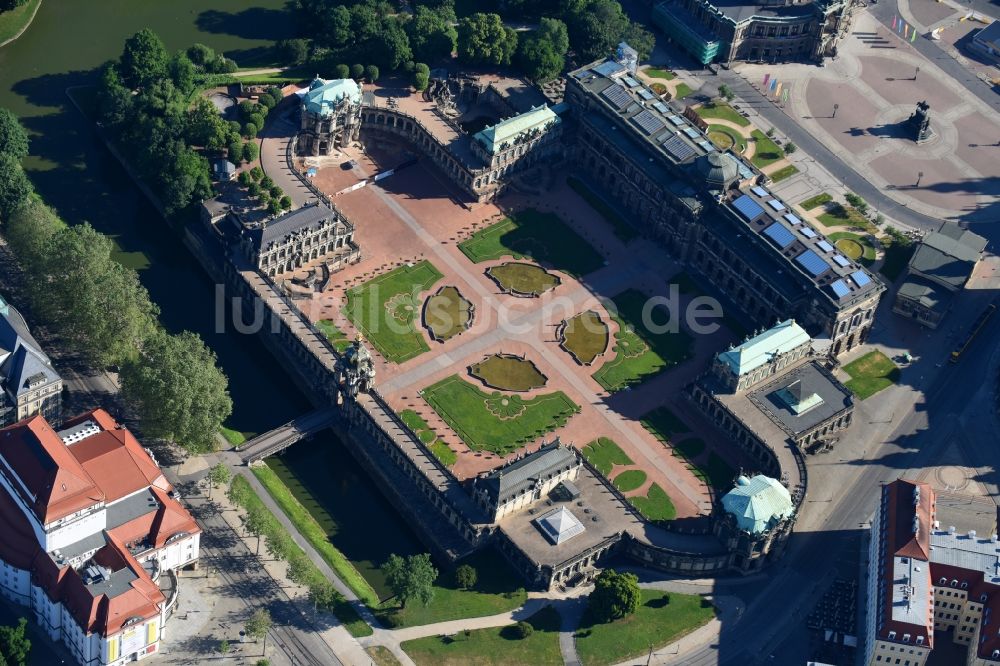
(615, 595)
(144, 59)
(14, 184)
(431, 33)
(484, 39)
(13, 137)
(15, 646)
(412, 578)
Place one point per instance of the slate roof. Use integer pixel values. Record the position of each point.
(515, 478)
(23, 364)
(308, 217)
(760, 349)
(323, 96)
(923, 292)
(510, 129)
(948, 256)
(758, 503)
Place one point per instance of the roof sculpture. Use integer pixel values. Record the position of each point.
(758, 503)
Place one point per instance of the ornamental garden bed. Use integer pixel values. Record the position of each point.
(447, 313)
(584, 336)
(520, 279)
(508, 373)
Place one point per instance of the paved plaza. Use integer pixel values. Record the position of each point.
(875, 83)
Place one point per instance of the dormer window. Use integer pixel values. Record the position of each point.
(954, 583)
(892, 635)
(906, 638)
(965, 584)
(920, 640)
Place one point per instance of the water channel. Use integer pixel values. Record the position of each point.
(73, 172)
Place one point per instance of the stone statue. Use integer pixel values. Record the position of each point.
(919, 123)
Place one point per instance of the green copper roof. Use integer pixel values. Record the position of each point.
(758, 350)
(324, 96)
(507, 130)
(758, 503)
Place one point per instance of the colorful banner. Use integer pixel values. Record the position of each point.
(784, 95)
(900, 29)
(913, 36)
(774, 84)
(777, 91)
(767, 77)
(895, 20)
(906, 32)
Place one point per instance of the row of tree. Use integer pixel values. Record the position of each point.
(376, 32)
(103, 311)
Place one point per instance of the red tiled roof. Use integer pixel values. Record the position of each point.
(57, 483)
(117, 463)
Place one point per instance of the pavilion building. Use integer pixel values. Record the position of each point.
(330, 116)
(756, 518)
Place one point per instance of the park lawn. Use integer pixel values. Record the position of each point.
(498, 589)
(629, 479)
(896, 258)
(767, 151)
(447, 313)
(659, 73)
(622, 229)
(783, 173)
(604, 454)
(426, 434)
(843, 216)
(13, 20)
(234, 437)
(854, 246)
(816, 201)
(664, 424)
(722, 111)
(870, 374)
(274, 531)
(639, 353)
(443, 453)
(493, 647)
(661, 619)
(508, 373)
(683, 90)
(585, 336)
(385, 309)
(518, 278)
(496, 422)
(314, 533)
(726, 137)
(337, 337)
(655, 504)
(531, 234)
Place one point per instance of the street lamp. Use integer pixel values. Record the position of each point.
(835, 107)
(915, 73)
(920, 174)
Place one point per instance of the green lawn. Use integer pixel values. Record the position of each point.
(585, 337)
(767, 152)
(629, 479)
(494, 421)
(275, 532)
(783, 173)
(896, 258)
(508, 373)
(382, 656)
(386, 307)
(531, 234)
(818, 200)
(234, 437)
(843, 216)
(659, 73)
(518, 278)
(683, 90)
(337, 337)
(726, 138)
(622, 229)
(427, 435)
(498, 589)
(493, 647)
(447, 313)
(604, 454)
(722, 111)
(854, 246)
(655, 504)
(661, 619)
(13, 20)
(639, 353)
(313, 532)
(664, 424)
(443, 453)
(870, 374)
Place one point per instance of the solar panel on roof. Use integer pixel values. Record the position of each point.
(647, 122)
(745, 171)
(706, 145)
(629, 81)
(661, 107)
(692, 132)
(676, 120)
(646, 95)
(776, 205)
(678, 149)
(825, 246)
(608, 68)
(792, 218)
(748, 208)
(781, 236)
(841, 260)
(759, 191)
(812, 262)
(840, 288)
(860, 278)
(807, 232)
(617, 95)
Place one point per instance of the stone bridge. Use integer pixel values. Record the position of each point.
(282, 437)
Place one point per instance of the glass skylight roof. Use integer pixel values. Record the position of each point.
(748, 208)
(825, 246)
(840, 288)
(759, 191)
(812, 262)
(807, 232)
(776, 205)
(860, 278)
(781, 236)
(792, 218)
(841, 260)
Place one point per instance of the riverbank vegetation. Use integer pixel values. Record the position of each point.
(15, 16)
(102, 311)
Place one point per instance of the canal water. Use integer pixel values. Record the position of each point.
(63, 47)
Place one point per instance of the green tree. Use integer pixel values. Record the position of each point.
(357, 71)
(257, 626)
(323, 594)
(219, 475)
(255, 523)
(204, 126)
(420, 80)
(371, 73)
(250, 151)
(30, 229)
(484, 39)
(274, 206)
(257, 118)
(245, 178)
(115, 103)
(554, 31)
(389, 46)
(13, 137)
(615, 595)
(183, 177)
(177, 390)
(293, 52)
(144, 59)
(14, 185)
(596, 27)
(266, 182)
(257, 173)
(640, 39)
(725, 92)
(224, 646)
(275, 192)
(182, 72)
(266, 101)
(15, 646)
(202, 56)
(790, 148)
(538, 59)
(431, 33)
(411, 578)
(250, 130)
(235, 153)
(341, 72)
(286, 202)
(523, 629)
(466, 576)
(238, 494)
